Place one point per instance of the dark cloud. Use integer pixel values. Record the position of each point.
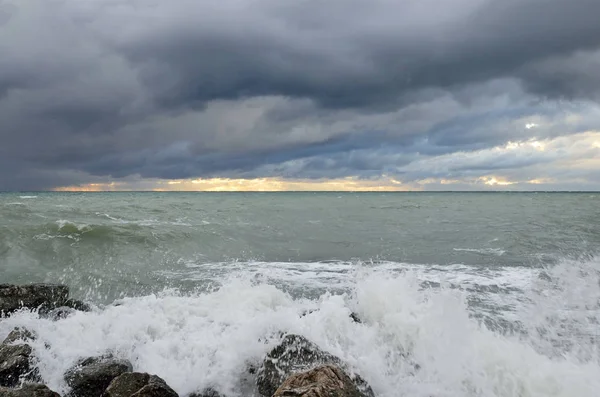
(353, 54)
(91, 91)
(567, 77)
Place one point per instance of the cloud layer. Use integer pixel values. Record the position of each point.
(139, 92)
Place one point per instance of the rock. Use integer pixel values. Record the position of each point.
(28, 390)
(78, 305)
(15, 364)
(70, 307)
(208, 392)
(60, 313)
(18, 334)
(323, 381)
(293, 355)
(15, 359)
(34, 296)
(135, 384)
(91, 377)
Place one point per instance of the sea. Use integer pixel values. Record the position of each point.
(459, 294)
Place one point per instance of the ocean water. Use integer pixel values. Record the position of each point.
(461, 294)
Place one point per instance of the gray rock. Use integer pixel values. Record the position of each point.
(323, 381)
(60, 313)
(15, 364)
(19, 334)
(135, 384)
(71, 306)
(28, 390)
(44, 297)
(297, 354)
(91, 377)
(78, 305)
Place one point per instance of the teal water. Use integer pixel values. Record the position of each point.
(141, 242)
(507, 285)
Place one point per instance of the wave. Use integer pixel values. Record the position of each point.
(78, 230)
(146, 222)
(218, 331)
(485, 251)
(328, 273)
(65, 229)
(71, 227)
(28, 197)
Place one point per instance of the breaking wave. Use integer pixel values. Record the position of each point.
(492, 251)
(208, 337)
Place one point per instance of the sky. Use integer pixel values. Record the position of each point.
(299, 95)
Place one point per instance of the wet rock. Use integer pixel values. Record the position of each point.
(28, 390)
(78, 305)
(135, 384)
(70, 307)
(15, 364)
(19, 334)
(208, 392)
(91, 377)
(323, 381)
(44, 297)
(293, 355)
(60, 313)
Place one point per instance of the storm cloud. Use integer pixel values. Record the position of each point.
(415, 90)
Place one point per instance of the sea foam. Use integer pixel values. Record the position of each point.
(413, 341)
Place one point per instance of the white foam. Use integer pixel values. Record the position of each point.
(485, 251)
(27, 197)
(78, 227)
(205, 339)
(146, 222)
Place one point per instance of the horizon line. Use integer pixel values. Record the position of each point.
(302, 191)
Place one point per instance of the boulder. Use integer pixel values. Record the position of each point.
(15, 364)
(297, 354)
(44, 297)
(323, 381)
(28, 390)
(91, 377)
(59, 313)
(18, 334)
(71, 306)
(135, 384)
(78, 305)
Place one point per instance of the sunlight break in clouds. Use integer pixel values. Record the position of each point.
(519, 165)
(247, 185)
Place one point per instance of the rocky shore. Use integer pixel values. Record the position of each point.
(296, 367)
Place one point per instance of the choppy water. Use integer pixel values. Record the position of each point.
(491, 294)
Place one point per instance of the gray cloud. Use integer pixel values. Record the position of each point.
(353, 54)
(91, 91)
